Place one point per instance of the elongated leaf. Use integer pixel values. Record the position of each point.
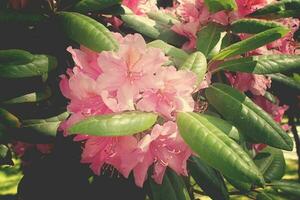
(241, 186)
(288, 187)
(254, 122)
(176, 54)
(87, 31)
(253, 26)
(163, 18)
(208, 39)
(94, 5)
(46, 127)
(172, 188)
(218, 5)
(210, 180)
(284, 8)
(14, 56)
(8, 119)
(115, 124)
(266, 195)
(152, 29)
(30, 98)
(196, 63)
(17, 17)
(265, 64)
(285, 80)
(252, 43)
(216, 148)
(40, 65)
(271, 163)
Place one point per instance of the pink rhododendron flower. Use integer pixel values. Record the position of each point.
(257, 84)
(20, 148)
(140, 7)
(174, 95)
(246, 7)
(18, 4)
(128, 72)
(165, 148)
(132, 78)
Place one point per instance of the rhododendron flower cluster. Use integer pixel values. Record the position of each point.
(132, 78)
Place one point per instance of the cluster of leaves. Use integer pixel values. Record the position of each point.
(32, 108)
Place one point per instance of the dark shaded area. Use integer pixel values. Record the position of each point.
(61, 176)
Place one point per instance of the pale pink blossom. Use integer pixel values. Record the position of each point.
(174, 95)
(256, 84)
(165, 148)
(128, 72)
(140, 7)
(246, 7)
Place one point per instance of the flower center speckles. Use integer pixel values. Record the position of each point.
(133, 76)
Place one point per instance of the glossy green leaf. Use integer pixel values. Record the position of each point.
(241, 186)
(94, 5)
(210, 180)
(8, 119)
(255, 123)
(152, 29)
(17, 17)
(270, 97)
(269, 196)
(280, 9)
(252, 43)
(287, 187)
(172, 188)
(252, 26)
(15, 56)
(163, 18)
(43, 127)
(271, 163)
(216, 148)
(209, 39)
(40, 65)
(87, 31)
(264, 64)
(218, 5)
(176, 54)
(127, 123)
(286, 81)
(196, 63)
(31, 97)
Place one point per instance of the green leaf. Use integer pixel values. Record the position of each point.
(281, 9)
(218, 5)
(127, 123)
(287, 187)
(15, 56)
(252, 43)
(152, 29)
(286, 81)
(163, 18)
(31, 97)
(210, 180)
(8, 119)
(40, 65)
(18, 17)
(43, 127)
(269, 195)
(84, 6)
(271, 163)
(253, 26)
(255, 123)
(172, 188)
(176, 54)
(196, 63)
(216, 148)
(241, 186)
(209, 39)
(264, 64)
(87, 31)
